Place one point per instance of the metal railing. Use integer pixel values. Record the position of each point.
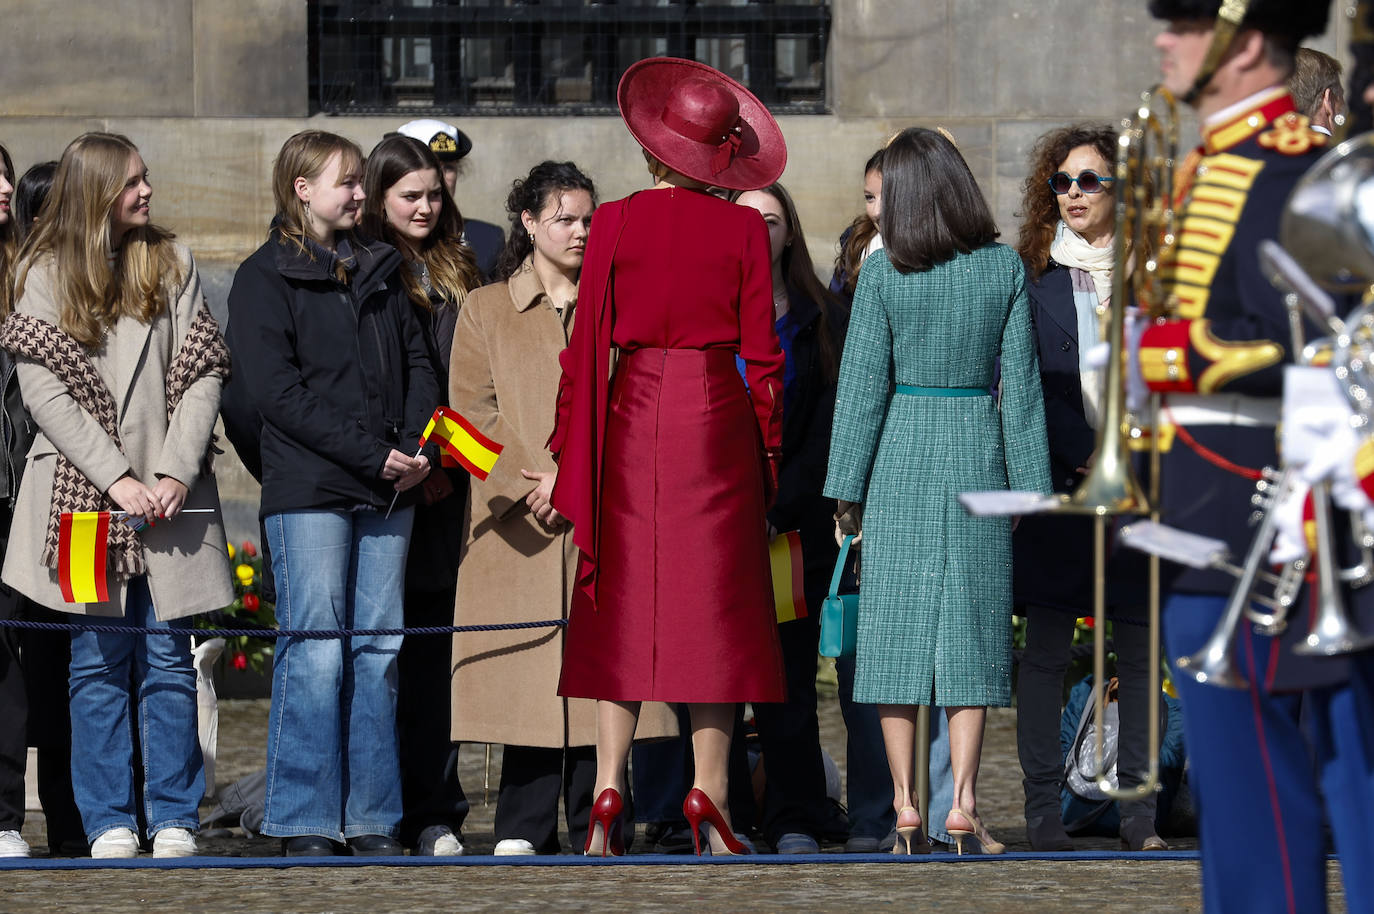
(541, 57)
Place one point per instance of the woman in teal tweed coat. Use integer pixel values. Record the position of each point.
(915, 425)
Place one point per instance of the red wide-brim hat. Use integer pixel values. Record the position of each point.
(701, 123)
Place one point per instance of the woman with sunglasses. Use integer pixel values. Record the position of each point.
(1067, 244)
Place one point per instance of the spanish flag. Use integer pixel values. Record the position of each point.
(81, 544)
(785, 558)
(474, 451)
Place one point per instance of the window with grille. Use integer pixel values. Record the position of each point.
(542, 57)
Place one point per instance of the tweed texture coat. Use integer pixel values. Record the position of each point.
(935, 595)
(503, 377)
(188, 566)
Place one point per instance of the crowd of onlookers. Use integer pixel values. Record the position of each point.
(373, 300)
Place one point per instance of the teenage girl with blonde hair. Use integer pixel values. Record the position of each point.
(332, 357)
(121, 365)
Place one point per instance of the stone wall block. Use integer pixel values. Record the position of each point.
(31, 140)
(208, 177)
(251, 58)
(891, 58)
(98, 58)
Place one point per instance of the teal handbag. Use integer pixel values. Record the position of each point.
(840, 613)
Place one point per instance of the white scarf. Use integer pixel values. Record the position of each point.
(1090, 271)
(1069, 249)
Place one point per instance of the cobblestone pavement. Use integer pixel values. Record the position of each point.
(931, 884)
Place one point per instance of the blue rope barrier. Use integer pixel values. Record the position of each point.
(272, 634)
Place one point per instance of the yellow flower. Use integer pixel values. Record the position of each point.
(232, 550)
(245, 573)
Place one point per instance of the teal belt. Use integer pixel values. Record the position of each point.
(913, 391)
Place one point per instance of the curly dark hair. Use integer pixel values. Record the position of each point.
(541, 187)
(1039, 207)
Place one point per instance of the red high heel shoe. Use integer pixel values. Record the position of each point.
(606, 816)
(698, 807)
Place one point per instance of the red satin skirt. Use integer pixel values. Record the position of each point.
(683, 605)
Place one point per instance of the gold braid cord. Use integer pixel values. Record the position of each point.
(1229, 18)
(203, 352)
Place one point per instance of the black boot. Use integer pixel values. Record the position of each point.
(307, 846)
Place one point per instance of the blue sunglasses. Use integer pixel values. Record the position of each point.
(1090, 182)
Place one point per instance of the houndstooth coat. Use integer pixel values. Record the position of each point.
(188, 567)
(935, 600)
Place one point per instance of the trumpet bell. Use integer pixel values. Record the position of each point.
(1331, 635)
(1328, 223)
(1212, 666)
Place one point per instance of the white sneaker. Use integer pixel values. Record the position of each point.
(11, 845)
(115, 844)
(438, 841)
(514, 847)
(174, 842)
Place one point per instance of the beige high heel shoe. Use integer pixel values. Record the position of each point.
(909, 828)
(978, 833)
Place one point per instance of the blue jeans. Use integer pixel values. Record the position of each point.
(103, 718)
(941, 778)
(333, 766)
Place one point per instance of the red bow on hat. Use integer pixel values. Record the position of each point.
(727, 144)
(727, 150)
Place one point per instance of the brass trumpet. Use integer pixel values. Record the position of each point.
(1214, 664)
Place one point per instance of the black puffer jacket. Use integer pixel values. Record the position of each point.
(16, 432)
(336, 374)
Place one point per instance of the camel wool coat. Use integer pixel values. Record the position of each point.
(188, 565)
(503, 378)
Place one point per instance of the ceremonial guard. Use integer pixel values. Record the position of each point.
(1259, 776)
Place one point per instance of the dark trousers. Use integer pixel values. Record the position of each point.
(1040, 702)
(14, 709)
(430, 791)
(794, 797)
(47, 661)
(532, 780)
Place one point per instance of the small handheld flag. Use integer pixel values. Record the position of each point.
(785, 559)
(83, 538)
(460, 440)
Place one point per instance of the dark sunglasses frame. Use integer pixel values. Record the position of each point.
(1098, 183)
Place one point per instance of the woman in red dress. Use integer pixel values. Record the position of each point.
(666, 462)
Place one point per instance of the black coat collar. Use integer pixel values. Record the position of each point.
(375, 262)
(1053, 293)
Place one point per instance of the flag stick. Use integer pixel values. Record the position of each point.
(398, 494)
(182, 511)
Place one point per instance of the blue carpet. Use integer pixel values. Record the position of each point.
(196, 863)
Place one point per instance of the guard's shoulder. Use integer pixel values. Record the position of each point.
(1291, 135)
